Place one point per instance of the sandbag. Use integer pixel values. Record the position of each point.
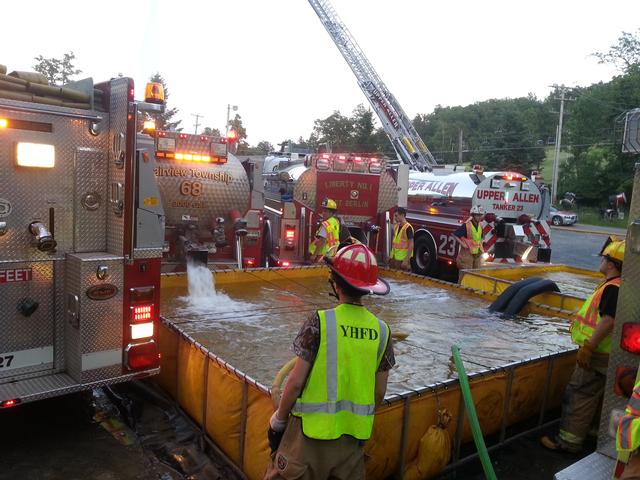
(523, 295)
(434, 451)
(33, 77)
(3, 69)
(505, 297)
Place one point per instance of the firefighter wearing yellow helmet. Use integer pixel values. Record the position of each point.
(327, 237)
(469, 236)
(591, 331)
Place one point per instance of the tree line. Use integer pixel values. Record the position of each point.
(500, 134)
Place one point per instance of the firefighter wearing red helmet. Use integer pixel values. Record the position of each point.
(344, 355)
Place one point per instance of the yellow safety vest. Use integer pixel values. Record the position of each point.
(628, 433)
(588, 317)
(400, 244)
(332, 226)
(339, 396)
(474, 237)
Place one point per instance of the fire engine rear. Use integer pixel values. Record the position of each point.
(364, 189)
(81, 235)
(515, 226)
(213, 216)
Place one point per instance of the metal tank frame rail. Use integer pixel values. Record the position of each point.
(406, 141)
(232, 409)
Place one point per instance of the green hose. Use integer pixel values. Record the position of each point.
(473, 417)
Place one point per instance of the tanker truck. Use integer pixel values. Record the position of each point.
(213, 216)
(515, 226)
(366, 192)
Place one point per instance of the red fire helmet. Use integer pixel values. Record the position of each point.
(357, 266)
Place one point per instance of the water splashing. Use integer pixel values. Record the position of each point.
(203, 297)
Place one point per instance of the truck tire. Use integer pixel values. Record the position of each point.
(556, 220)
(424, 259)
(267, 247)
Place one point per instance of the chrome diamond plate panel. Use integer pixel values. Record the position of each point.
(388, 193)
(20, 332)
(305, 189)
(594, 466)
(628, 311)
(36, 194)
(118, 105)
(53, 385)
(91, 200)
(100, 321)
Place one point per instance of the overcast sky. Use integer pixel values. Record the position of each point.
(275, 61)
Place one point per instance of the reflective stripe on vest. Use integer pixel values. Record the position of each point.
(474, 237)
(332, 227)
(628, 433)
(400, 244)
(339, 396)
(588, 317)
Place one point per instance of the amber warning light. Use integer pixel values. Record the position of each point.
(154, 93)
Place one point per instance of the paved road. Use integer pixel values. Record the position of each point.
(576, 248)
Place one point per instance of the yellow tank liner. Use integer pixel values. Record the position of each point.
(495, 280)
(233, 410)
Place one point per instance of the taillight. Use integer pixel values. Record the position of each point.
(284, 263)
(249, 262)
(142, 356)
(142, 312)
(630, 339)
(289, 237)
(10, 403)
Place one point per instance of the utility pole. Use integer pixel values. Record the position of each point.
(229, 107)
(556, 160)
(460, 147)
(198, 117)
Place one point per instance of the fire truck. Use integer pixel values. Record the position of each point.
(365, 190)
(213, 203)
(515, 226)
(81, 237)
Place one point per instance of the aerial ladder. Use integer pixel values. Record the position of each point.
(403, 136)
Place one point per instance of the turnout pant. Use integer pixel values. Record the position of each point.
(582, 401)
(302, 458)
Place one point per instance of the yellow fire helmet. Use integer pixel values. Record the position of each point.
(329, 204)
(613, 249)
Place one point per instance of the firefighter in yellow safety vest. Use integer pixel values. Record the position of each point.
(628, 438)
(344, 355)
(327, 237)
(402, 242)
(469, 236)
(591, 331)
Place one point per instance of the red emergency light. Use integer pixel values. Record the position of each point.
(183, 136)
(630, 338)
(141, 313)
(204, 138)
(142, 356)
(290, 234)
(284, 263)
(249, 262)
(10, 403)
